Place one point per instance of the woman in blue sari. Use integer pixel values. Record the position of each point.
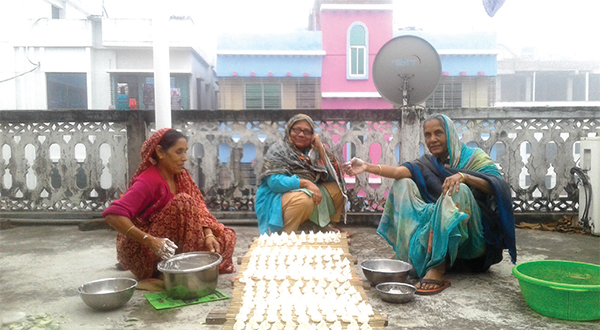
(445, 206)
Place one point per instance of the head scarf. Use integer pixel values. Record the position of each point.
(185, 183)
(290, 124)
(148, 148)
(462, 156)
(283, 157)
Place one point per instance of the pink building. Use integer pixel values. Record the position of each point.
(352, 32)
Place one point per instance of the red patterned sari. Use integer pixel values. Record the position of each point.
(154, 210)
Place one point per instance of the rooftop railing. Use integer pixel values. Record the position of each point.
(73, 163)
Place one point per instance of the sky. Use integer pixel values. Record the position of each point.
(557, 29)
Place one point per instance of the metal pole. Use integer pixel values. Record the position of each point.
(162, 82)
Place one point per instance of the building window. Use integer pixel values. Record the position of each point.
(448, 94)
(135, 91)
(358, 52)
(307, 90)
(66, 90)
(56, 12)
(263, 96)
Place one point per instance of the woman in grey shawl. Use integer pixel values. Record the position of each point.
(300, 180)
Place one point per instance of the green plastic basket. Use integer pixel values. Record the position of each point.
(561, 289)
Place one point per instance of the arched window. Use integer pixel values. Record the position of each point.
(357, 52)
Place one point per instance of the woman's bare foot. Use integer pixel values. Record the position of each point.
(436, 274)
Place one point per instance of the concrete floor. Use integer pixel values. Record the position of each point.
(42, 266)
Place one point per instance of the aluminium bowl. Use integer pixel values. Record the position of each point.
(385, 270)
(191, 275)
(107, 294)
(396, 292)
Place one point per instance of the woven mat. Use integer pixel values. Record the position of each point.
(378, 321)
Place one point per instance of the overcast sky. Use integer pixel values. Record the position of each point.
(556, 28)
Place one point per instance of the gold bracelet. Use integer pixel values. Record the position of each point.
(379, 169)
(462, 176)
(209, 235)
(127, 232)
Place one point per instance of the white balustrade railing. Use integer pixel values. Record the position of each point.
(79, 161)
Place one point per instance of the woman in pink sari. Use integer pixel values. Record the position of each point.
(163, 212)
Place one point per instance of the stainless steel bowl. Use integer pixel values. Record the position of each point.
(107, 294)
(191, 275)
(396, 292)
(385, 270)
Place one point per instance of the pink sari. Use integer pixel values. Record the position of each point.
(180, 217)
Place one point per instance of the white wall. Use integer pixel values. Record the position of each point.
(103, 60)
(7, 71)
(131, 59)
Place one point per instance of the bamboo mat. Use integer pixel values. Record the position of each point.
(377, 321)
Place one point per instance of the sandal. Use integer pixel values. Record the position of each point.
(442, 285)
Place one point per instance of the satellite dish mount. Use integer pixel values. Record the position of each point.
(404, 79)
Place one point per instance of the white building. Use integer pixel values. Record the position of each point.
(65, 54)
(527, 82)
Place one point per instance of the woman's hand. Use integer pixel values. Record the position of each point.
(163, 247)
(355, 166)
(316, 193)
(318, 145)
(452, 183)
(211, 244)
(316, 142)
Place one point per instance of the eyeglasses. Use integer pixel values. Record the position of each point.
(298, 131)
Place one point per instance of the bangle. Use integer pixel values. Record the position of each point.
(209, 235)
(379, 169)
(127, 232)
(462, 176)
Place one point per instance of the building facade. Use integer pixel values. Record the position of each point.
(332, 63)
(353, 32)
(274, 71)
(67, 55)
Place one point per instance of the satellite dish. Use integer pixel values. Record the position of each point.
(406, 70)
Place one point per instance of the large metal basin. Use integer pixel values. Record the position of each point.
(385, 270)
(191, 275)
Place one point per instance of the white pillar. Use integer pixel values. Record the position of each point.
(587, 86)
(410, 131)
(570, 88)
(88, 79)
(533, 88)
(162, 83)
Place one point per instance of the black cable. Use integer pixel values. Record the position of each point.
(20, 74)
(579, 175)
(37, 65)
